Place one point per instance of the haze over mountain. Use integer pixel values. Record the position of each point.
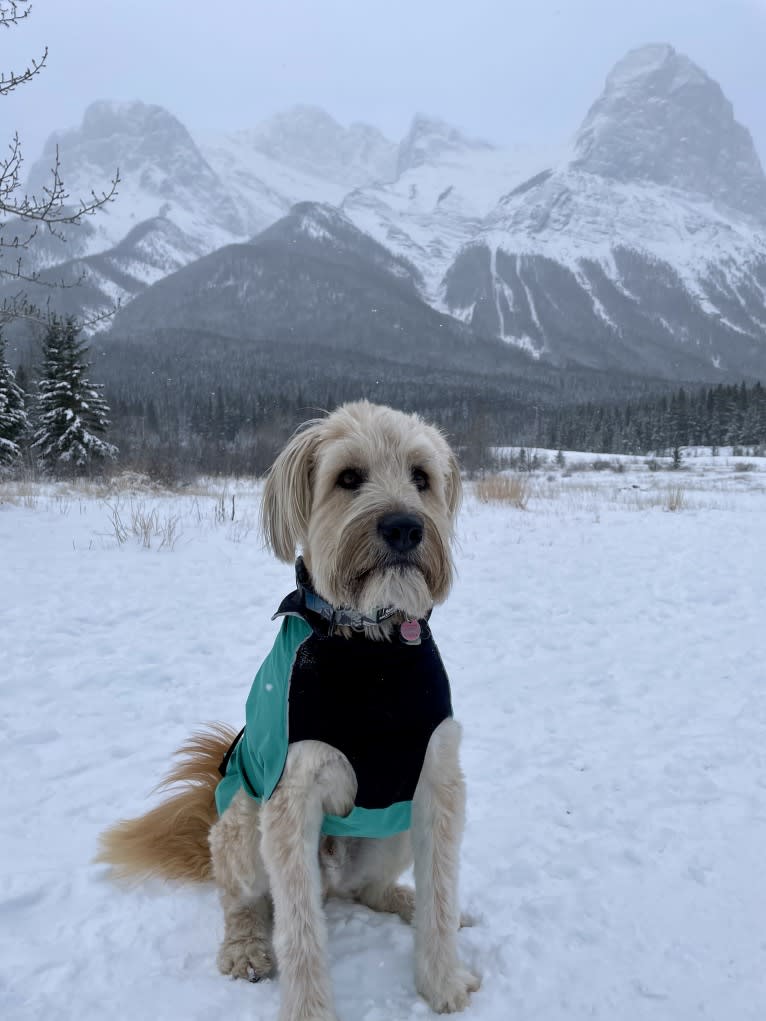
(640, 245)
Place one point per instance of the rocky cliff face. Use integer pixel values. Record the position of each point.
(162, 171)
(645, 250)
(661, 119)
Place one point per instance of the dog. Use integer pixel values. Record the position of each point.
(370, 495)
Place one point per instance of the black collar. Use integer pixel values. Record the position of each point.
(304, 600)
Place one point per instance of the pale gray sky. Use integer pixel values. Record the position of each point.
(500, 69)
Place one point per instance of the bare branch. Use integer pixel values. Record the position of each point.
(14, 11)
(35, 277)
(11, 81)
(51, 207)
(19, 242)
(19, 307)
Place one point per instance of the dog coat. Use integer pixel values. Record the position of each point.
(378, 702)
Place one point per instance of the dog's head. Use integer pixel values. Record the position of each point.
(370, 494)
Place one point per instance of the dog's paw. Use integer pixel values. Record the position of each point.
(249, 959)
(449, 993)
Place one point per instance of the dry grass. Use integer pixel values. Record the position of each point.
(675, 498)
(149, 527)
(513, 489)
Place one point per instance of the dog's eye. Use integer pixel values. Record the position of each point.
(350, 478)
(420, 478)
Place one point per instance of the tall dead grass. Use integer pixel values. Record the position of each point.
(513, 489)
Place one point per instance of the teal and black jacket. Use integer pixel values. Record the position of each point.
(378, 702)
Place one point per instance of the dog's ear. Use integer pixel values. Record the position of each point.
(286, 503)
(454, 485)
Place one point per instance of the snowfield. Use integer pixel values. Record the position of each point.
(607, 662)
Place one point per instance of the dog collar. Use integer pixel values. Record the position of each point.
(335, 616)
(343, 617)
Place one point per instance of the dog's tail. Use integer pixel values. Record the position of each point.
(171, 840)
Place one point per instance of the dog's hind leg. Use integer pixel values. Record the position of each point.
(438, 812)
(246, 949)
(243, 885)
(317, 779)
(376, 864)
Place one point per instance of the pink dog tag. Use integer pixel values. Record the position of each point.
(410, 631)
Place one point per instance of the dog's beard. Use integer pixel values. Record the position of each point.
(401, 585)
(351, 567)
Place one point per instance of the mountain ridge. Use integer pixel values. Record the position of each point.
(639, 246)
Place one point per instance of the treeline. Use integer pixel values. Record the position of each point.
(716, 416)
(189, 402)
(184, 403)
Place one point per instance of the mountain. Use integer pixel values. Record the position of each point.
(661, 119)
(91, 285)
(323, 231)
(162, 174)
(300, 154)
(446, 185)
(646, 249)
(638, 248)
(307, 138)
(431, 140)
(230, 350)
(313, 277)
(227, 189)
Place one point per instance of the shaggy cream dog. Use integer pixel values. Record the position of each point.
(370, 495)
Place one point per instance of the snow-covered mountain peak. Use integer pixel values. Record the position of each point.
(639, 64)
(309, 139)
(127, 117)
(325, 229)
(162, 173)
(130, 135)
(431, 140)
(319, 219)
(662, 119)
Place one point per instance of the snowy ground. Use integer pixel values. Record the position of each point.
(607, 659)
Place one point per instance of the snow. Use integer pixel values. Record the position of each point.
(437, 207)
(574, 216)
(607, 669)
(263, 188)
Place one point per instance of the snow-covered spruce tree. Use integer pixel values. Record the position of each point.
(70, 412)
(13, 415)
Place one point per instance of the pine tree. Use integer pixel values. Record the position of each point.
(71, 415)
(13, 415)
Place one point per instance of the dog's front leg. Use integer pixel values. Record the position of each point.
(438, 813)
(317, 779)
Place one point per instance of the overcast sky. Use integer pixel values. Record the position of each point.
(499, 69)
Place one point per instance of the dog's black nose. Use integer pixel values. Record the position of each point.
(402, 532)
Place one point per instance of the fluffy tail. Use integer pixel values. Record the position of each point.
(171, 841)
